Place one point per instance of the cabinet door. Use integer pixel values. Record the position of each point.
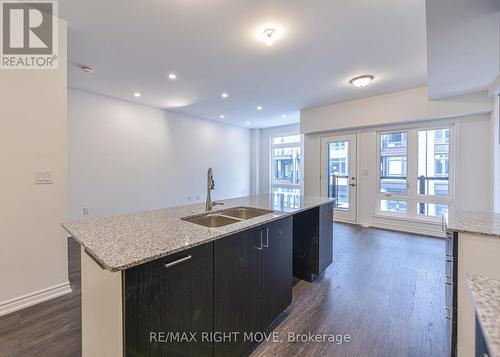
(277, 269)
(237, 290)
(325, 236)
(170, 295)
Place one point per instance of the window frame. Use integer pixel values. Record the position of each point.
(412, 197)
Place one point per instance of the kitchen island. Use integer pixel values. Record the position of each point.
(156, 284)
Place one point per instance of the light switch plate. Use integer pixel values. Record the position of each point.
(43, 177)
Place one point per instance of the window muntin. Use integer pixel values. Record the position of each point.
(393, 162)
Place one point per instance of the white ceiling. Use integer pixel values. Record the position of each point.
(211, 46)
(463, 45)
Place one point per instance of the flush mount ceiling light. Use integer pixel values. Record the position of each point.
(137, 94)
(284, 116)
(248, 123)
(269, 36)
(221, 116)
(224, 95)
(87, 68)
(361, 81)
(268, 33)
(259, 108)
(172, 76)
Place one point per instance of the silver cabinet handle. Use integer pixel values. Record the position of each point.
(260, 248)
(178, 261)
(267, 238)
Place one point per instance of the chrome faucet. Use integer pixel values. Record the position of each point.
(210, 186)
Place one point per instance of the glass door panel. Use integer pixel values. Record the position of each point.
(338, 174)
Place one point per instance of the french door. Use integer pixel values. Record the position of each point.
(338, 174)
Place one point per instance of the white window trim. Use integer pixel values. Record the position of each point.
(412, 197)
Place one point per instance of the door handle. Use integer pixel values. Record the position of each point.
(352, 184)
(267, 238)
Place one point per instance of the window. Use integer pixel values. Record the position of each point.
(433, 161)
(338, 177)
(423, 155)
(393, 158)
(286, 173)
(393, 206)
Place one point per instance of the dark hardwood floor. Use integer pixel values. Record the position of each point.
(49, 329)
(385, 290)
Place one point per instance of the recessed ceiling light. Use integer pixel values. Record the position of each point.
(224, 95)
(172, 76)
(361, 81)
(259, 108)
(221, 116)
(283, 116)
(137, 94)
(248, 123)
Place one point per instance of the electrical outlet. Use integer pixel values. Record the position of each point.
(43, 177)
(86, 211)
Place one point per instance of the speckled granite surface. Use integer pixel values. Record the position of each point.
(486, 295)
(123, 241)
(482, 223)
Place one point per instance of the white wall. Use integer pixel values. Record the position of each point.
(128, 157)
(33, 135)
(495, 146)
(265, 152)
(405, 106)
(457, 32)
(474, 167)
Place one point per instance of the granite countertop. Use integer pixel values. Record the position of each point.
(486, 295)
(481, 223)
(123, 241)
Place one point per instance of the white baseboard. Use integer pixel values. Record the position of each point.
(438, 233)
(21, 302)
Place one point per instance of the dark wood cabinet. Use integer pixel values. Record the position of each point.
(451, 290)
(277, 276)
(169, 295)
(252, 282)
(223, 290)
(237, 290)
(312, 242)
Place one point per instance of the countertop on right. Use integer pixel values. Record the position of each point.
(486, 295)
(480, 223)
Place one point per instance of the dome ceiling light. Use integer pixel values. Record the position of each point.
(361, 81)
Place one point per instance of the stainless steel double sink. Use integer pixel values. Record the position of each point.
(227, 216)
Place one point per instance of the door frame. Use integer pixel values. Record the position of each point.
(350, 216)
